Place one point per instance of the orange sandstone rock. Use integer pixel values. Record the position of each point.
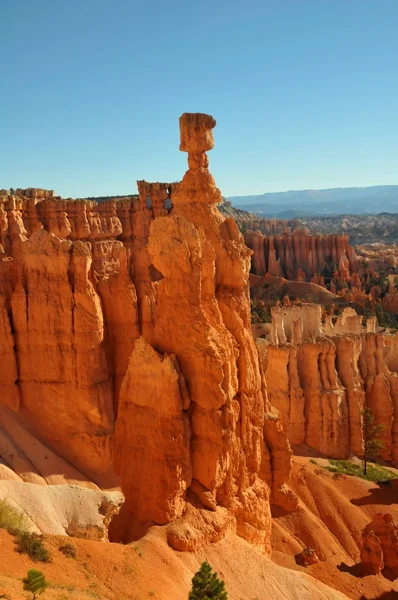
(156, 435)
(380, 544)
(300, 255)
(203, 268)
(137, 312)
(320, 388)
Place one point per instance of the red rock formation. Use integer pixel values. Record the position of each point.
(390, 301)
(380, 394)
(59, 334)
(348, 349)
(153, 433)
(301, 254)
(233, 434)
(9, 390)
(325, 407)
(138, 312)
(372, 553)
(329, 261)
(380, 545)
(320, 389)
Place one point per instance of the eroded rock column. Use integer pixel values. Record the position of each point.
(234, 449)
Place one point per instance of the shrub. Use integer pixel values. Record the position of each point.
(35, 582)
(372, 444)
(11, 518)
(32, 545)
(206, 585)
(374, 473)
(68, 550)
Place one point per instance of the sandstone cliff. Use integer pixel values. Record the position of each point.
(290, 254)
(136, 313)
(365, 277)
(321, 385)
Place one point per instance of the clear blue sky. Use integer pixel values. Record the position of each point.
(305, 92)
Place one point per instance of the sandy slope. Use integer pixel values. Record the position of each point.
(23, 457)
(150, 569)
(332, 513)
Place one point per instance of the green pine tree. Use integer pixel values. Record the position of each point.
(372, 444)
(35, 582)
(206, 585)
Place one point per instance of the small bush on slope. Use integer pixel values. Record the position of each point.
(206, 585)
(35, 582)
(11, 519)
(32, 545)
(68, 550)
(372, 444)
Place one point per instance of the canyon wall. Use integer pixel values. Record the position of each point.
(364, 277)
(69, 319)
(125, 341)
(321, 386)
(301, 255)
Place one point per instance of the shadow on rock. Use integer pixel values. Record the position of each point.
(384, 493)
(355, 570)
(384, 596)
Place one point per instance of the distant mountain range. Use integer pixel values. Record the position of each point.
(337, 201)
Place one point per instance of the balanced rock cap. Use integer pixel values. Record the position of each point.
(196, 132)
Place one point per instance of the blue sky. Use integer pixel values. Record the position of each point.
(305, 92)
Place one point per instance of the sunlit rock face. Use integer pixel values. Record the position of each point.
(127, 348)
(321, 376)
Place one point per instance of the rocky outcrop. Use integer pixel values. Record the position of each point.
(155, 469)
(68, 320)
(126, 339)
(301, 255)
(380, 545)
(307, 557)
(229, 458)
(63, 509)
(371, 553)
(320, 388)
(364, 276)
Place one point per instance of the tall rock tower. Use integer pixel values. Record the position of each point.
(197, 444)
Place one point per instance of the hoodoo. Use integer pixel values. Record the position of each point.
(220, 457)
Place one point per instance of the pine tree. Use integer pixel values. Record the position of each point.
(206, 585)
(371, 434)
(35, 582)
